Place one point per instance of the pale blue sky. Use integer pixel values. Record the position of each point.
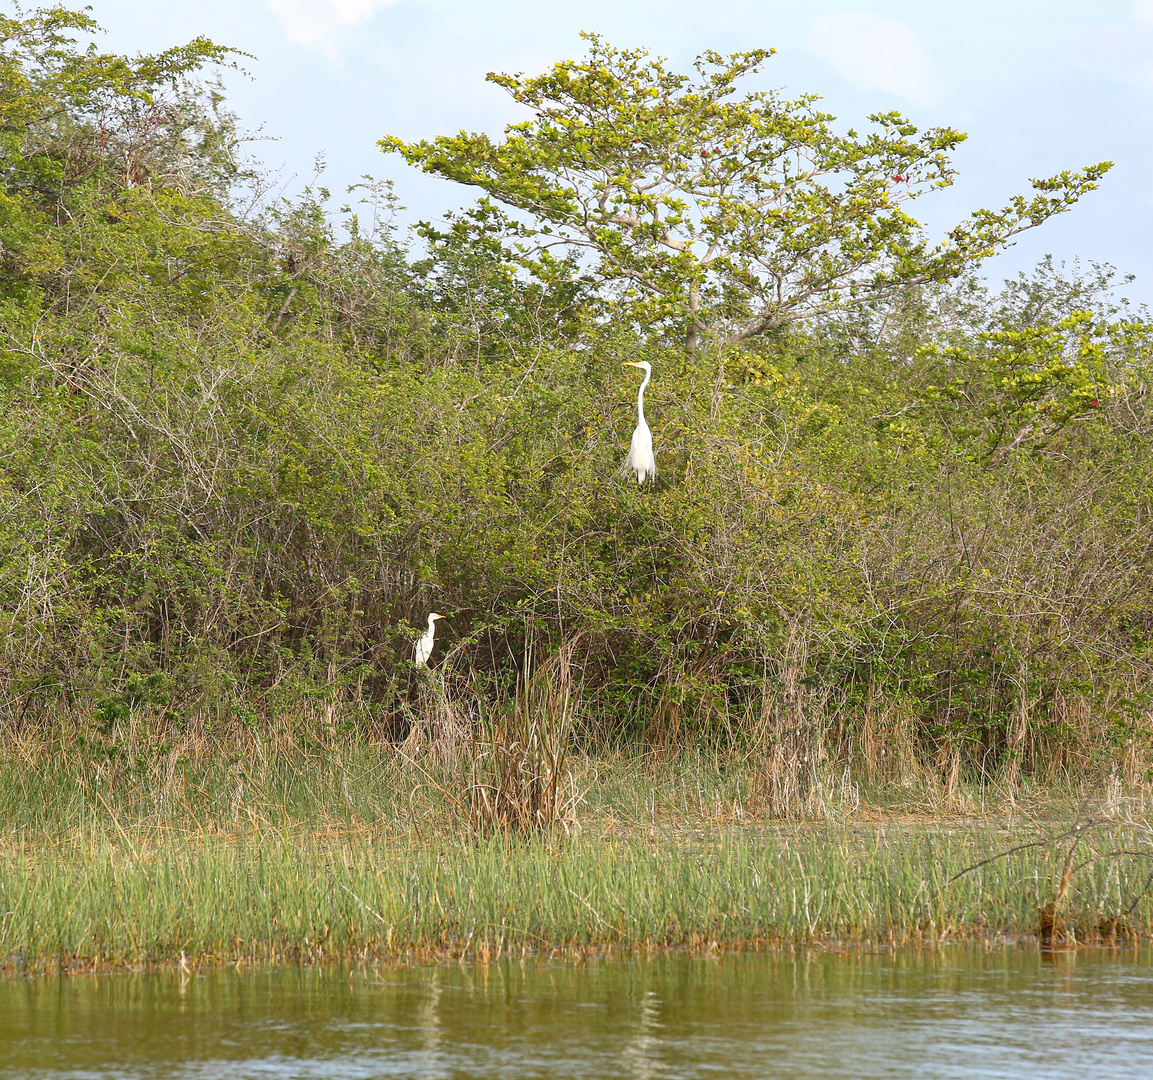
(1039, 85)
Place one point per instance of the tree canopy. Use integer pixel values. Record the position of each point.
(724, 216)
(69, 114)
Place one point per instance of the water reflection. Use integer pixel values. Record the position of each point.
(957, 1013)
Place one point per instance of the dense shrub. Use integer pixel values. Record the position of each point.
(241, 458)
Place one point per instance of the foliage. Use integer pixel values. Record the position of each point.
(243, 454)
(71, 116)
(724, 217)
(482, 300)
(1036, 380)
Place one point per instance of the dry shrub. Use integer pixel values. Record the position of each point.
(444, 724)
(797, 778)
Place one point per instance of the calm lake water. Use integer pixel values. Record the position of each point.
(956, 1013)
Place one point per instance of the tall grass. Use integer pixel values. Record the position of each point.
(519, 769)
(130, 898)
(343, 850)
(518, 774)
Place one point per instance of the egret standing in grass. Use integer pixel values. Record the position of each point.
(640, 459)
(423, 648)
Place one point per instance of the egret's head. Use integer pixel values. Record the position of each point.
(644, 365)
(434, 616)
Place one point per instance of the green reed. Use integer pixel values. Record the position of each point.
(127, 897)
(315, 852)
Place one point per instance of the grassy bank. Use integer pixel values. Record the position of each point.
(898, 560)
(367, 854)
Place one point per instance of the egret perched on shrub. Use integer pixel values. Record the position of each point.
(423, 648)
(640, 459)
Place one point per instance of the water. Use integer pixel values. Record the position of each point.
(956, 1013)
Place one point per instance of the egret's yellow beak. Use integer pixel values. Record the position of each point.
(631, 363)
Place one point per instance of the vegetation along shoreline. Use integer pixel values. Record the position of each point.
(366, 857)
(340, 618)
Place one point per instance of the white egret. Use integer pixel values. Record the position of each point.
(422, 650)
(641, 459)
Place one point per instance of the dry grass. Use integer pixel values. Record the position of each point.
(519, 780)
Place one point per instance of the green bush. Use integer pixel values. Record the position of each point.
(241, 458)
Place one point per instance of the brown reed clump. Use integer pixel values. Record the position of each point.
(517, 773)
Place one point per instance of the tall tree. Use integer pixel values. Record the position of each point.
(724, 216)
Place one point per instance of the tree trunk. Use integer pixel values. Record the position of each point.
(693, 338)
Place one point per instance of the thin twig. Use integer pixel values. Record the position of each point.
(1077, 830)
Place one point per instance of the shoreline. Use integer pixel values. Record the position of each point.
(126, 900)
(190, 967)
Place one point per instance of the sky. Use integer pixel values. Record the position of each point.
(1038, 85)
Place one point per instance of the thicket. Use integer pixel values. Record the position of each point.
(245, 449)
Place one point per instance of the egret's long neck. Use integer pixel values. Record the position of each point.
(641, 397)
(431, 624)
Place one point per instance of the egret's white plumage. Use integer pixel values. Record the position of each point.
(423, 648)
(641, 460)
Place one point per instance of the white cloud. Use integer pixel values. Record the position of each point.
(875, 53)
(318, 22)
